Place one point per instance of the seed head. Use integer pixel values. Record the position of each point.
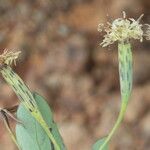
(9, 57)
(122, 30)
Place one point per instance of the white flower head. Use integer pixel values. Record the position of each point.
(123, 29)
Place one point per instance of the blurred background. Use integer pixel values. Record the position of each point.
(61, 59)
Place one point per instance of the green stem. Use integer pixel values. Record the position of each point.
(11, 134)
(118, 122)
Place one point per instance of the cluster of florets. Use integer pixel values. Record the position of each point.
(9, 57)
(123, 29)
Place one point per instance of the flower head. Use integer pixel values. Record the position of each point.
(9, 57)
(123, 29)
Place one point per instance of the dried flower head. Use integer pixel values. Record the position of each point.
(9, 57)
(123, 29)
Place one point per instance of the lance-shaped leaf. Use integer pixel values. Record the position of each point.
(30, 134)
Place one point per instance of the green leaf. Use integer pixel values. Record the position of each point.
(98, 144)
(30, 135)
